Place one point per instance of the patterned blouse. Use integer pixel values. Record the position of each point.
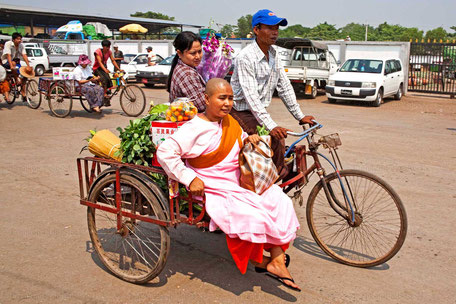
(186, 82)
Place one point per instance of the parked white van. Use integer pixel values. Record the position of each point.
(38, 59)
(368, 80)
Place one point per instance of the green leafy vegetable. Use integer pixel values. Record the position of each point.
(262, 130)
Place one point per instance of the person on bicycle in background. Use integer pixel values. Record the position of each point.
(257, 73)
(13, 52)
(100, 69)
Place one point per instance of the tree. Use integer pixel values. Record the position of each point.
(387, 32)
(244, 26)
(357, 32)
(227, 30)
(452, 34)
(296, 30)
(324, 31)
(437, 34)
(412, 33)
(152, 15)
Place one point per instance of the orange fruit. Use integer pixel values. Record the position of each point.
(180, 118)
(173, 119)
(186, 118)
(188, 113)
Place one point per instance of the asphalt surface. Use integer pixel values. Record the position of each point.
(46, 255)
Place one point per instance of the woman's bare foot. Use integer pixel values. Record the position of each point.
(277, 266)
(96, 109)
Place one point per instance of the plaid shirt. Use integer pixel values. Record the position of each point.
(254, 81)
(186, 82)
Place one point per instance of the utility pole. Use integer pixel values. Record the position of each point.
(365, 37)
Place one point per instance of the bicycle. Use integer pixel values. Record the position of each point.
(60, 93)
(341, 218)
(31, 91)
(129, 216)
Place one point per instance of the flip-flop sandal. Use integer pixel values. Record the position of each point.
(263, 270)
(282, 280)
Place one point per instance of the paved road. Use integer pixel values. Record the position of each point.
(46, 255)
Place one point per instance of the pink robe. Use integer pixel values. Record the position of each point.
(238, 212)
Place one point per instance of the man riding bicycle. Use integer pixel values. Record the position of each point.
(13, 51)
(100, 67)
(258, 72)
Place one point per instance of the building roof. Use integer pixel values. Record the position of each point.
(23, 15)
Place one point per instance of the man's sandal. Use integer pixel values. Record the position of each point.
(282, 280)
(263, 270)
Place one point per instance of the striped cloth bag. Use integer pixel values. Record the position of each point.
(258, 171)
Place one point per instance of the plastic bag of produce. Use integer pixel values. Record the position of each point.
(105, 144)
(181, 109)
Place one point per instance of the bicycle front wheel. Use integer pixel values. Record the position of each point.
(32, 94)
(14, 92)
(380, 224)
(132, 100)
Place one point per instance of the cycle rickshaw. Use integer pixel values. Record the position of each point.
(354, 216)
(60, 94)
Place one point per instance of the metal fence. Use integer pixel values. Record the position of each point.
(433, 68)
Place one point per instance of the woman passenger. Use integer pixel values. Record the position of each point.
(203, 155)
(183, 79)
(91, 91)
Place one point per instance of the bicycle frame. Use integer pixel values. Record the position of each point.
(175, 217)
(304, 172)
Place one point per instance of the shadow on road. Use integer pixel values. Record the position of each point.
(205, 257)
(310, 247)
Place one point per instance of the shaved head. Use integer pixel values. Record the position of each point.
(214, 85)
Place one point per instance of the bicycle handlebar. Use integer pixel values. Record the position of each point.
(307, 131)
(302, 135)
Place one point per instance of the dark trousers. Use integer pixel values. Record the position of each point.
(249, 124)
(104, 78)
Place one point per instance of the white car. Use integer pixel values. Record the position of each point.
(38, 59)
(132, 63)
(155, 74)
(368, 80)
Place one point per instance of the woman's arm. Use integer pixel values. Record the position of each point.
(169, 155)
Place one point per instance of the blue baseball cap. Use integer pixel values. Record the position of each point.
(267, 17)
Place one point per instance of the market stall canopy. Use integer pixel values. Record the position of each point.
(133, 28)
(291, 43)
(53, 18)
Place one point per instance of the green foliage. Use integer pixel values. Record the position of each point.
(244, 26)
(294, 31)
(437, 34)
(262, 130)
(357, 32)
(324, 31)
(227, 30)
(136, 146)
(152, 15)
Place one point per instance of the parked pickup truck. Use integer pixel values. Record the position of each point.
(309, 66)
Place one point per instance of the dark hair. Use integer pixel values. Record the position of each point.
(106, 42)
(183, 42)
(15, 36)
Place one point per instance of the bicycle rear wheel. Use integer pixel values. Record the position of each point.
(132, 100)
(137, 252)
(32, 94)
(58, 104)
(380, 225)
